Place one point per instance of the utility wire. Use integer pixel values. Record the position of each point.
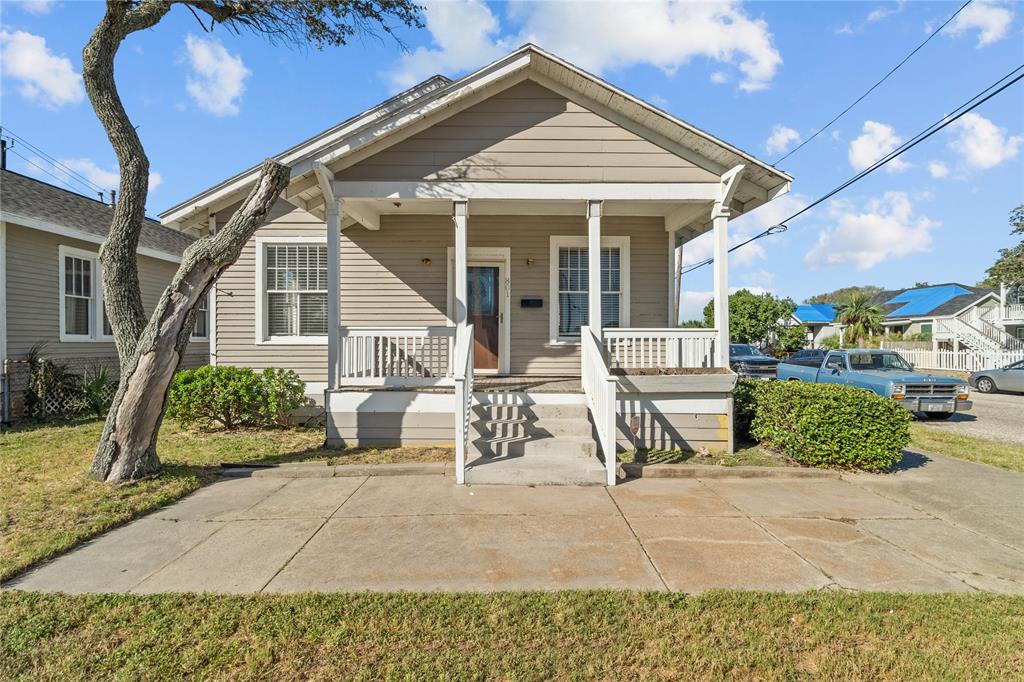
(871, 89)
(78, 177)
(63, 181)
(968, 106)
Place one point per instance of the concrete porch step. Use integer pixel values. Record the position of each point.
(529, 447)
(547, 469)
(534, 412)
(530, 428)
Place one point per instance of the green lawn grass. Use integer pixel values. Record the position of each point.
(48, 504)
(746, 454)
(994, 453)
(528, 636)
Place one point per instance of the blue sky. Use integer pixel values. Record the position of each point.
(759, 75)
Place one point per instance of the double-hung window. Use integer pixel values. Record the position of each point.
(83, 317)
(570, 284)
(201, 329)
(294, 296)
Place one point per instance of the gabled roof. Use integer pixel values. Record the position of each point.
(815, 313)
(34, 203)
(438, 98)
(938, 300)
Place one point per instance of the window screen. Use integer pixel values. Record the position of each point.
(202, 326)
(77, 296)
(296, 290)
(573, 274)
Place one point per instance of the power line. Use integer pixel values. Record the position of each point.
(78, 177)
(61, 180)
(871, 89)
(968, 106)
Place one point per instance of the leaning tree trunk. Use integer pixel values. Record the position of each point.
(127, 448)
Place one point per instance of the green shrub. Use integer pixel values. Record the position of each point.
(96, 391)
(283, 392)
(743, 407)
(828, 425)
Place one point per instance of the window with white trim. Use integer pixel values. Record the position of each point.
(295, 296)
(201, 329)
(571, 283)
(78, 296)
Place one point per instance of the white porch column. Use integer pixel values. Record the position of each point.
(1002, 302)
(594, 267)
(460, 214)
(673, 279)
(211, 304)
(332, 212)
(720, 222)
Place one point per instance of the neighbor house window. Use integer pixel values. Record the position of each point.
(201, 330)
(82, 313)
(295, 290)
(571, 282)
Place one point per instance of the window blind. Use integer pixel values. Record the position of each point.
(77, 296)
(296, 290)
(573, 287)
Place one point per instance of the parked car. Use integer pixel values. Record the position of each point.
(886, 373)
(750, 363)
(1009, 378)
(811, 357)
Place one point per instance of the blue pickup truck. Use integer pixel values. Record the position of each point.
(886, 373)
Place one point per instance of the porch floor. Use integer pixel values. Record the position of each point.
(490, 384)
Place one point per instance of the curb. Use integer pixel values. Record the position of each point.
(713, 471)
(323, 470)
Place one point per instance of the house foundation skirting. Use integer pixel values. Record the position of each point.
(674, 421)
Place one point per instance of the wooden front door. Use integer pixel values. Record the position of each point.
(483, 289)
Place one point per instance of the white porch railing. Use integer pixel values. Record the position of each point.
(649, 348)
(463, 375)
(399, 355)
(1013, 311)
(960, 361)
(599, 386)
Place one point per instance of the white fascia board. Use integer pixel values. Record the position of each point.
(64, 231)
(565, 191)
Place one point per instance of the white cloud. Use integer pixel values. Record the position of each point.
(45, 78)
(218, 78)
(719, 77)
(938, 169)
(666, 34)
(743, 228)
(875, 141)
(982, 143)
(886, 228)
(91, 171)
(691, 303)
(37, 7)
(884, 11)
(992, 21)
(780, 139)
(845, 30)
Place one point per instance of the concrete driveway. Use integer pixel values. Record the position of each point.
(939, 525)
(994, 415)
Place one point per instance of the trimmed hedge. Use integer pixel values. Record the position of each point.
(829, 425)
(743, 405)
(234, 396)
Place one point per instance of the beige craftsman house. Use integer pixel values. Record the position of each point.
(434, 265)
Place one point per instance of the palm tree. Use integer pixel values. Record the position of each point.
(859, 316)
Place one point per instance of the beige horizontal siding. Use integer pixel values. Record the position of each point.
(390, 428)
(669, 431)
(236, 305)
(384, 282)
(33, 298)
(527, 133)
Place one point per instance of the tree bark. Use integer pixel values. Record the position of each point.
(127, 448)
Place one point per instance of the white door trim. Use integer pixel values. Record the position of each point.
(489, 255)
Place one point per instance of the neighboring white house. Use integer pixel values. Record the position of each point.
(50, 289)
(952, 316)
(435, 263)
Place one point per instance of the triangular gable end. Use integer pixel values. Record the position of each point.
(526, 132)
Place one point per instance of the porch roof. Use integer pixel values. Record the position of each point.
(438, 98)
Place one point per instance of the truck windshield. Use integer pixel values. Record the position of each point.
(742, 349)
(882, 361)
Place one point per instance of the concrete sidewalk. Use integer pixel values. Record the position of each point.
(940, 525)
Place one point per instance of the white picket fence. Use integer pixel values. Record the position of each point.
(961, 361)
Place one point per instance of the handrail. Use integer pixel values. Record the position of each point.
(1003, 339)
(648, 348)
(599, 387)
(463, 375)
(395, 354)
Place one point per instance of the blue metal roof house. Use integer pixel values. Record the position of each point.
(819, 318)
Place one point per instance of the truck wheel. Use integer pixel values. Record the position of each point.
(986, 385)
(938, 415)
